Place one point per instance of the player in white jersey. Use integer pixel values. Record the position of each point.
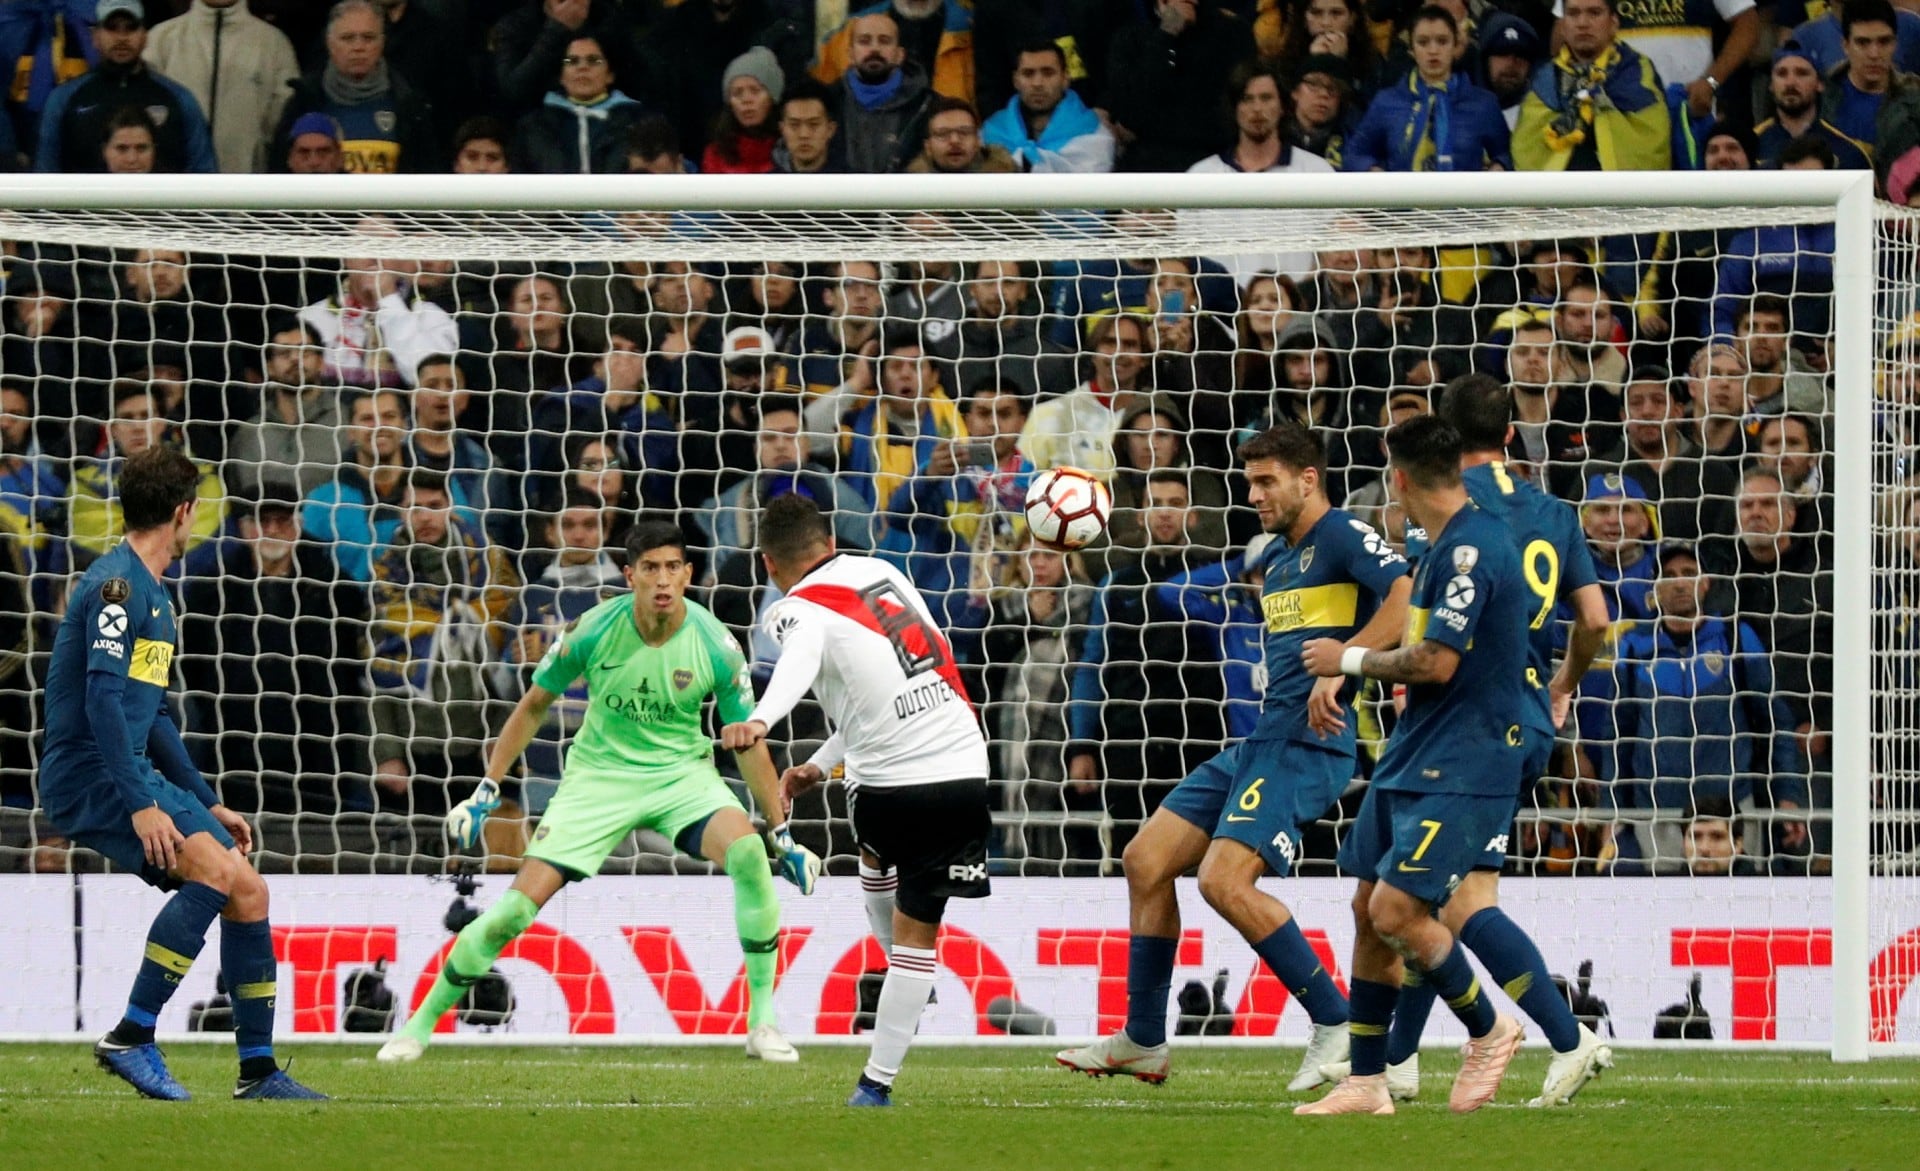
(855, 632)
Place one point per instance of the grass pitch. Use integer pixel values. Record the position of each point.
(979, 1109)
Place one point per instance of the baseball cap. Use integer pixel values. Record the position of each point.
(746, 340)
(315, 123)
(1615, 486)
(1672, 549)
(1794, 49)
(1506, 35)
(111, 8)
(745, 345)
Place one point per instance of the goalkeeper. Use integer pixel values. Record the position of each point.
(642, 758)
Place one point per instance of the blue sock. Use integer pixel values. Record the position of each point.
(1289, 957)
(1409, 1017)
(1511, 958)
(1149, 981)
(1453, 981)
(178, 933)
(246, 959)
(1370, 1014)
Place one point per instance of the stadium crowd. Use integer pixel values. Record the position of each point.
(415, 472)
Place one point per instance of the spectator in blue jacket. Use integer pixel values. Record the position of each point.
(45, 43)
(936, 517)
(1223, 599)
(1826, 45)
(1700, 718)
(1794, 261)
(1797, 89)
(359, 509)
(1435, 118)
(74, 124)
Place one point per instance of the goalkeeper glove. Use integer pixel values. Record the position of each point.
(798, 865)
(465, 819)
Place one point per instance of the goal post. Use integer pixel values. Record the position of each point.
(734, 222)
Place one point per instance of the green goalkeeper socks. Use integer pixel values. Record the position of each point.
(756, 913)
(478, 945)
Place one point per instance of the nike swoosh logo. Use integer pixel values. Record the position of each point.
(613, 666)
(156, 612)
(1232, 818)
(1406, 869)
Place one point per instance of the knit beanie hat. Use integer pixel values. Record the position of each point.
(758, 63)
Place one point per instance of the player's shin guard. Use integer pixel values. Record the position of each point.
(877, 887)
(1290, 957)
(474, 950)
(1511, 958)
(1369, 1015)
(178, 933)
(1410, 1015)
(756, 914)
(246, 959)
(1150, 961)
(1454, 982)
(903, 997)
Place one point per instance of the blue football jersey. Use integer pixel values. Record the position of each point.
(1465, 735)
(1327, 586)
(1555, 560)
(119, 620)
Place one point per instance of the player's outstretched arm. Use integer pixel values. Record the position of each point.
(465, 820)
(1426, 661)
(1325, 713)
(802, 643)
(1584, 641)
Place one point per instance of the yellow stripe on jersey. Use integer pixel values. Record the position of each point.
(1416, 625)
(1311, 606)
(151, 661)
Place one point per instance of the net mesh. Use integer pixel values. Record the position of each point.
(345, 658)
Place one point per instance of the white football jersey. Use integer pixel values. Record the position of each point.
(858, 633)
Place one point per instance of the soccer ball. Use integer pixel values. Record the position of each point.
(1067, 508)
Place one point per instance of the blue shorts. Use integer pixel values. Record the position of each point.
(99, 821)
(1423, 843)
(1260, 792)
(1533, 766)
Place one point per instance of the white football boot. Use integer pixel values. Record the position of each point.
(1118, 1055)
(1327, 1046)
(1571, 1071)
(769, 1044)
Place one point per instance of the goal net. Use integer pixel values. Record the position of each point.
(427, 415)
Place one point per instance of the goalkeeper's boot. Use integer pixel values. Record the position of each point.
(1403, 1080)
(870, 1093)
(1486, 1061)
(1117, 1055)
(140, 1066)
(275, 1087)
(1573, 1070)
(1354, 1095)
(1327, 1046)
(402, 1048)
(769, 1044)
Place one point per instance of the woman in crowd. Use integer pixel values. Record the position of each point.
(747, 129)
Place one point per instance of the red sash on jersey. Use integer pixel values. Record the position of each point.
(904, 628)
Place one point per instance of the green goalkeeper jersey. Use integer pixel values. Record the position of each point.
(644, 702)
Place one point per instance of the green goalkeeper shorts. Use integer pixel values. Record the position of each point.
(593, 812)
